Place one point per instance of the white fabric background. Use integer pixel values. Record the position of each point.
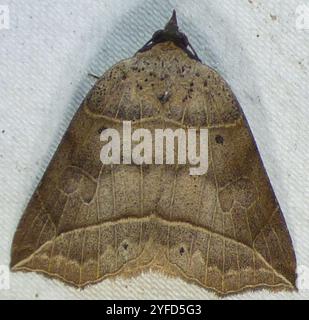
(52, 45)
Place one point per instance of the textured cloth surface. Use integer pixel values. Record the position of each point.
(258, 46)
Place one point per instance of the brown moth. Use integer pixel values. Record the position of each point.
(223, 230)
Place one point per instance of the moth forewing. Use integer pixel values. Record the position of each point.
(209, 216)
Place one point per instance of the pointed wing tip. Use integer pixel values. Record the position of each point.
(14, 264)
(19, 257)
(14, 259)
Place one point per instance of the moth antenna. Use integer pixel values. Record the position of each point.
(93, 76)
(194, 52)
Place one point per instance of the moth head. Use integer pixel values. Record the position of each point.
(171, 33)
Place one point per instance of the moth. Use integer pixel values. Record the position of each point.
(222, 230)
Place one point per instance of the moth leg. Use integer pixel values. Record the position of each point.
(93, 75)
